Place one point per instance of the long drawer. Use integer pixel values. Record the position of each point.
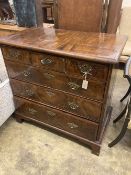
(37, 59)
(61, 120)
(75, 105)
(56, 80)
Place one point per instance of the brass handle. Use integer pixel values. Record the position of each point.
(29, 92)
(50, 113)
(49, 76)
(32, 111)
(0, 80)
(46, 61)
(72, 105)
(26, 73)
(73, 86)
(85, 68)
(72, 125)
(50, 94)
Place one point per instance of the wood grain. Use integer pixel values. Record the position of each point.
(114, 15)
(67, 122)
(104, 48)
(39, 60)
(55, 80)
(54, 90)
(95, 71)
(75, 105)
(81, 16)
(9, 29)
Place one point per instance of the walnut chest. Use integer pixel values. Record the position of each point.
(63, 80)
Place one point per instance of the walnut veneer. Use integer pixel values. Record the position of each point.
(83, 15)
(46, 70)
(9, 29)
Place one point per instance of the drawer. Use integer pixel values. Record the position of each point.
(95, 71)
(17, 55)
(75, 105)
(37, 59)
(46, 61)
(58, 119)
(56, 80)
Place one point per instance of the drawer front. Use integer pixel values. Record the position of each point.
(95, 71)
(57, 99)
(56, 80)
(46, 61)
(17, 55)
(37, 59)
(61, 120)
(95, 90)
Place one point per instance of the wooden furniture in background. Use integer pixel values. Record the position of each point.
(9, 29)
(48, 11)
(47, 68)
(83, 15)
(114, 15)
(88, 15)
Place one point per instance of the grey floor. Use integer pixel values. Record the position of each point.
(29, 150)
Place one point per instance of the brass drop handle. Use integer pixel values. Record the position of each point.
(73, 86)
(26, 73)
(32, 111)
(72, 125)
(46, 61)
(85, 68)
(73, 106)
(50, 94)
(29, 92)
(51, 114)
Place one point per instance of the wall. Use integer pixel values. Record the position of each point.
(126, 2)
(11, 1)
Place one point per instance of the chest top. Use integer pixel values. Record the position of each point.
(98, 47)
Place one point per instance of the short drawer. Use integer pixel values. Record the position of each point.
(72, 104)
(16, 55)
(58, 119)
(95, 71)
(44, 61)
(56, 80)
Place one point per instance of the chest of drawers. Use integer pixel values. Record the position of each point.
(47, 69)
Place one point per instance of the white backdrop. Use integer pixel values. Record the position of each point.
(126, 2)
